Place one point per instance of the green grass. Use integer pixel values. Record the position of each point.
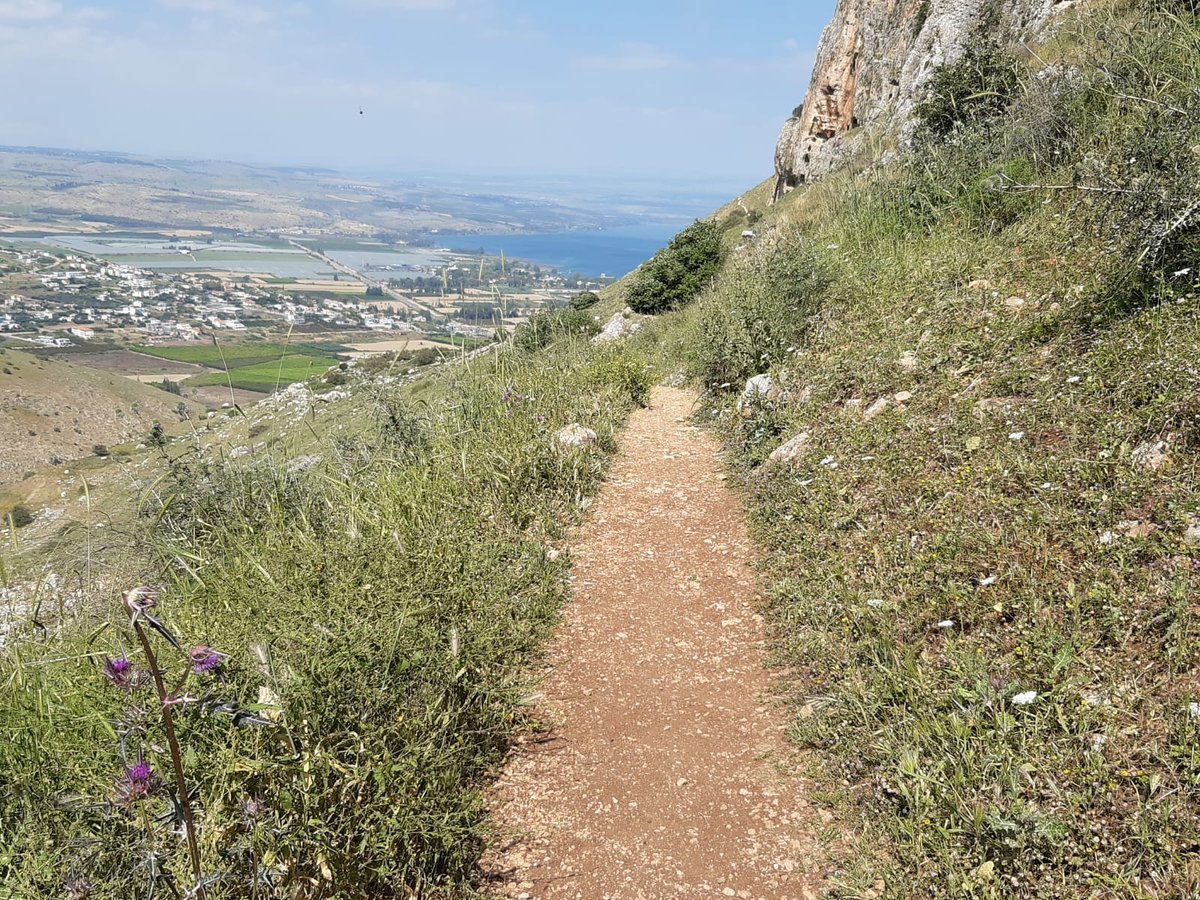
(267, 376)
(392, 597)
(1005, 495)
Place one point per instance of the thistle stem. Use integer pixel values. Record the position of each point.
(176, 759)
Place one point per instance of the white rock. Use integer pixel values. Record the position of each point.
(332, 396)
(1017, 436)
(908, 362)
(1015, 302)
(946, 624)
(1191, 536)
(904, 396)
(616, 328)
(575, 435)
(874, 603)
(854, 404)
(1151, 455)
(876, 408)
(789, 450)
(1025, 698)
(759, 387)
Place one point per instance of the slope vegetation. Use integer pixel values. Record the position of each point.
(973, 467)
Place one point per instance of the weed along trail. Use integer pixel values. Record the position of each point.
(664, 773)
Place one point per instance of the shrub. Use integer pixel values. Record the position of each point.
(758, 310)
(100, 450)
(544, 327)
(20, 516)
(977, 87)
(585, 300)
(679, 271)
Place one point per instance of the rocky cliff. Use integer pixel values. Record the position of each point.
(873, 62)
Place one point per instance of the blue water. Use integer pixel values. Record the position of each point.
(591, 253)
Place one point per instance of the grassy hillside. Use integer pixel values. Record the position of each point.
(51, 409)
(981, 542)
(379, 600)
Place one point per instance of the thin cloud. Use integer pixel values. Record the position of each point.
(243, 13)
(29, 10)
(634, 56)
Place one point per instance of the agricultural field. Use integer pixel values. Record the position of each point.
(267, 376)
(234, 356)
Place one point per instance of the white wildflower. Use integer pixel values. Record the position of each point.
(1025, 698)
(1107, 538)
(987, 582)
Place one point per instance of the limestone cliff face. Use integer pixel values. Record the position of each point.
(873, 62)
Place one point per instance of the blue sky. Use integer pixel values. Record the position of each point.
(629, 89)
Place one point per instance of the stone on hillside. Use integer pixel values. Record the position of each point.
(788, 451)
(575, 435)
(876, 408)
(616, 328)
(904, 396)
(760, 387)
(980, 284)
(332, 396)
(908, 362)
(1151, 455)
(1015, 302)
(1191, 536)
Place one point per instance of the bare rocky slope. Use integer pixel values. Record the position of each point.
(873, 62)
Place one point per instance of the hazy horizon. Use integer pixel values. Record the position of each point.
(412, 88)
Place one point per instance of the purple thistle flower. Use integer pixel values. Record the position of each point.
(138, 783)
(78, 889)
(204, 659)
(120, 672)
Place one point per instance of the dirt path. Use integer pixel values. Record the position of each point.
(665, 776)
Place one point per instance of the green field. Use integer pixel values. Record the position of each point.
(269, 375)
(236, 356)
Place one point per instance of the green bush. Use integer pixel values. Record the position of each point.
(545, 327)
(678, 272)
(20, 516)
(757, 312)
(977, 87)
(585, 300)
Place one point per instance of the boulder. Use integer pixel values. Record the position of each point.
(616, 328)
(760, 387)
(788, 451)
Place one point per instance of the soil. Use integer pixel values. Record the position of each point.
(665, 771)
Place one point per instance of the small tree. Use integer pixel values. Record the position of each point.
(677, 273)
(585, 300)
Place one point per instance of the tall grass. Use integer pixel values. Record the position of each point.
(380, 609)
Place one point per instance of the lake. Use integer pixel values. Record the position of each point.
(590, 253)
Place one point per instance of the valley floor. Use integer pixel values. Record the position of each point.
(665, 771)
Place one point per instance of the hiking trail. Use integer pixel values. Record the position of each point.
(666, 771)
